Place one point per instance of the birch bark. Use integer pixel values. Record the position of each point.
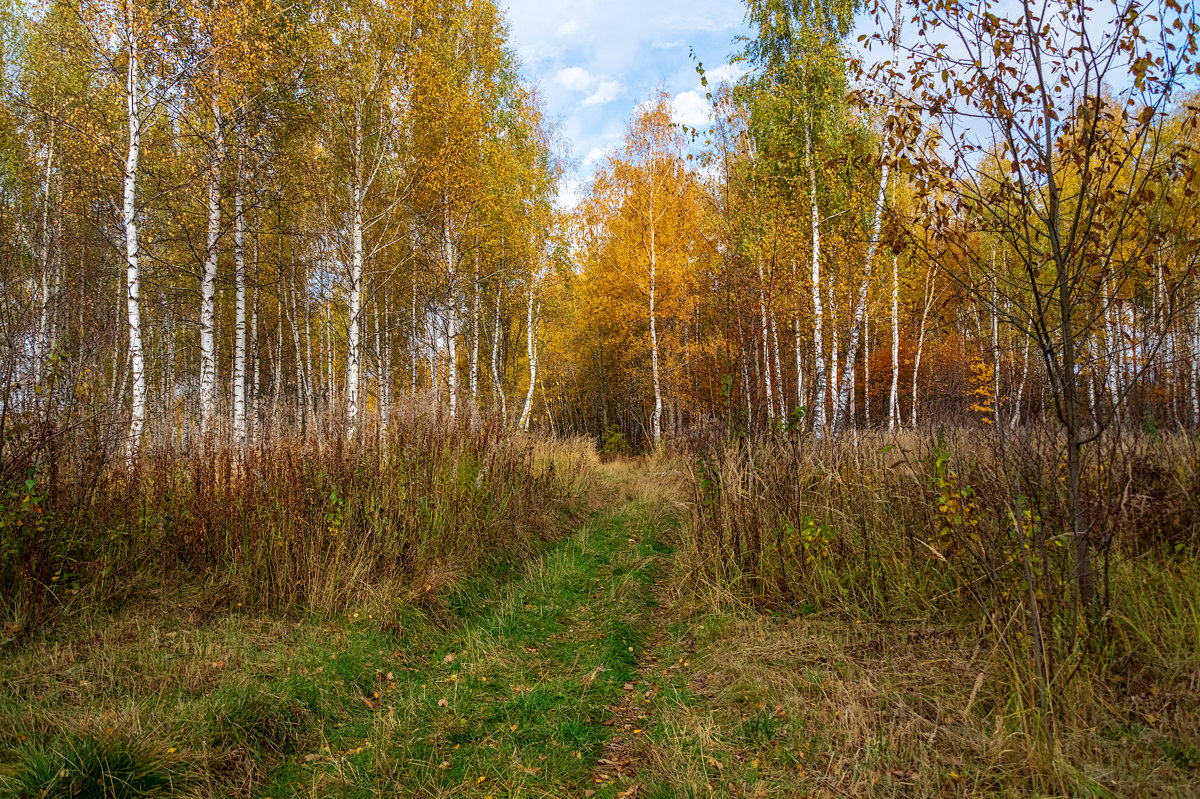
(497, 382)
(818, 411)
(894, 397)
(137, 416)
(208, 280)
(239, 348)
(531, 346)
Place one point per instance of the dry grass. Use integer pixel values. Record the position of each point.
(819, 707)
(316, 525)
(908, 665)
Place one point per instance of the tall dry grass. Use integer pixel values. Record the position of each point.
(309, 523)
(971, 529)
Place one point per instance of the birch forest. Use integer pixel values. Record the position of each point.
(847, 444)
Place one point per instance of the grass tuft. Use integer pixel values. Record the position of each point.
(100, 766)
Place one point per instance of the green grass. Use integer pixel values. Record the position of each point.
(500, 687)
(535, 676)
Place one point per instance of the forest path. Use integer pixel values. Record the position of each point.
(542, 685)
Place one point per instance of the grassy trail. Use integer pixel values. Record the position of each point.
(527, 695)
(577, 672)
(525, 680)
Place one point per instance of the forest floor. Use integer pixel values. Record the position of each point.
(578, 673)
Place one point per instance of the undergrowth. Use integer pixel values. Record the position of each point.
(950, 554)
(308, 524)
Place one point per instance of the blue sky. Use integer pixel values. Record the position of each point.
(596, 60)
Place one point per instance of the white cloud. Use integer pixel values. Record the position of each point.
(725, 72)
(691, 109)
(576, 79)
(567, 28)
(606, 92)
(596, 154)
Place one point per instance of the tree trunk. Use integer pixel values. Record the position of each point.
(778, 369)
(381, 356)
(894, 400)
(129, 221)
(531, 345)
(239, 347)
(451, 317)
(796, 339)
(866, 371)
(42, 346)
(475, 329)
(818, 412)
(765, 338)
(497, 381)
(656, 418)
(995, 355)
(1021, 387)
(353, 342)
(413, 340)
(255, 411)
(301, 379)
(859, 309)
(208, 281)
(929, 286)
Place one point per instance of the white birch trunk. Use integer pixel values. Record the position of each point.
(818, 412)
(42, 346)
(329, 375)
(497, 381)
(294, 308)
(1112, 335)
(208, 281)
(894, 398)
(451, 319)
(239, 347)
(859, 309)
(866, 370)
(310, 390)
(382, 364)
(835, 348)
(765, 338)
(996, 354)
(253, 400)
(531, 346)
(1196, 370)
(475, 330)
(353, 343)
(778, 369)
(930, 280)
(796, 339)
(656, 418)
(1016, 417)
(129, 220)
(413, 340)
(277, 413)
